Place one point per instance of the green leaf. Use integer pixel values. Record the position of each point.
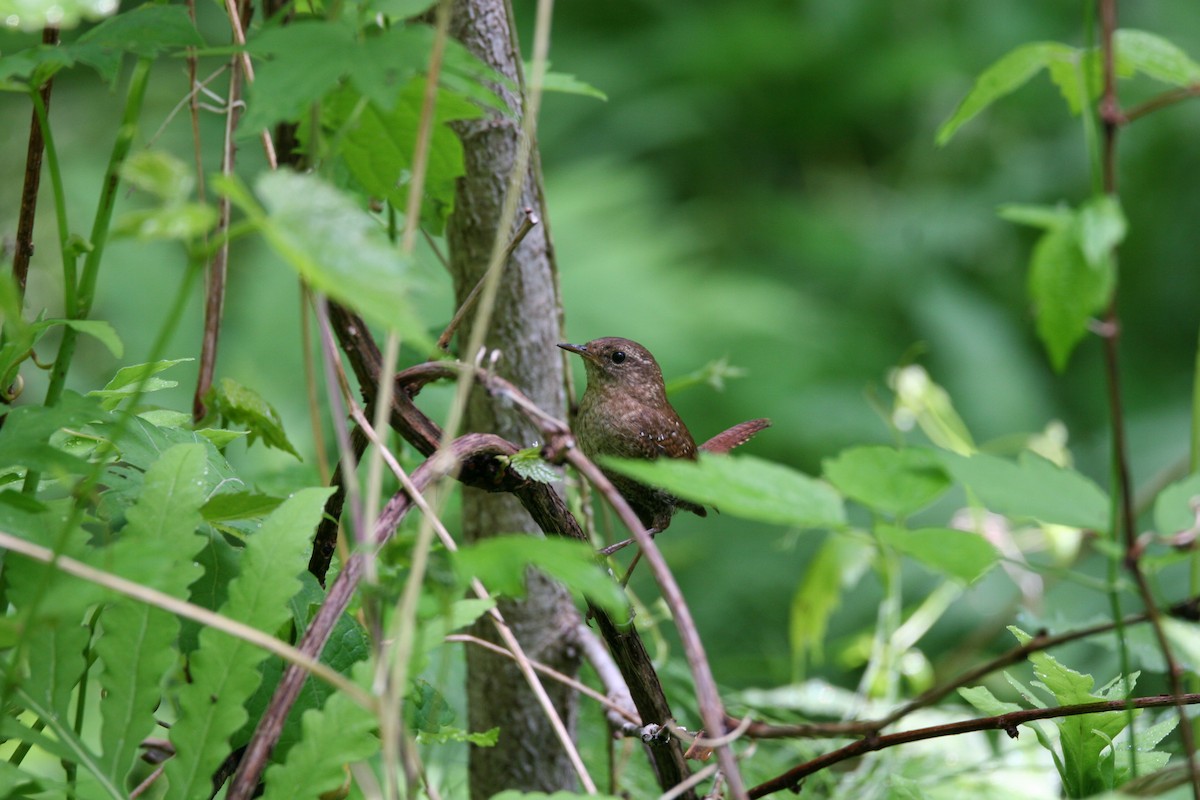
(1066, 292)
(1177, 506)
(297, 65)
(99, 330)
(1032, 488)
(244, 406)
(182, 222)
(66, 744)
(743, 486)
(339, 249)
(895, 482)
(138, 645)
(1101, 228)
(348, 644)
(147, 31)
(228, 506)
(1083, 737)
(25, 440)
(1156, 57)
(983, 700)
(837, 567)
(334, 736)
(379, 141)
(160, 174)
(568, 84)
(500, 562)
(530, 465)
(224, 670)
(962, 555)
(126, 382)
(1002, 78)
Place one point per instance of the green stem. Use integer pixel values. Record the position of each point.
(85, 292)
(60, 203)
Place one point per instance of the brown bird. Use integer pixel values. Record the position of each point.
(625, 413)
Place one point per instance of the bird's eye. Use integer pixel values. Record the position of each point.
(618, 357)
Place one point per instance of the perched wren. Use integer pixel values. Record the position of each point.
(625, 413)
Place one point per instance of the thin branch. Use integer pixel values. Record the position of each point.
(1186, 609)
(1110, 115)
(1003, 722)
(1161, 101)
(214, 289)
(33, 178)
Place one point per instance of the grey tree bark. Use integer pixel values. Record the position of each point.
(525, 328)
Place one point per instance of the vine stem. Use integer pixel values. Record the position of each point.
(81, 295)
(1112, 120)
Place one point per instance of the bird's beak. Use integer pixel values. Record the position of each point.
(578, 349)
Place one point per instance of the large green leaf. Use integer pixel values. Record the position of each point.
(1177, 506)
(378, 143)
(333, 736)
(139, 642)
(743, 486)
(1156, 57)
(225, 670)
(895, 482)
(1004, 77)
(501, 562)
(336, 246)
(962, 555)
(1066, 292)
(1032, 488)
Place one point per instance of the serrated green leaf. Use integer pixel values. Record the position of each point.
(225, 671)
(837, 566)
(501, 561)
(1156, 57)
(379, 141)
(1005, 76)
(137, 647)
(25, 438)
(338, 734)
(338, 248)
(348, 644)
(298, 64)
(65, 743)
(1066, 291)
(962, 555)
(242, 405)
(1032, 488)
(743, 486)
(530, 465)
(896, 482)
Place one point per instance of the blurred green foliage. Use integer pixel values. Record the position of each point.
(762, 185)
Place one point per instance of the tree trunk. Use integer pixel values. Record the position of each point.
(525, 328)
